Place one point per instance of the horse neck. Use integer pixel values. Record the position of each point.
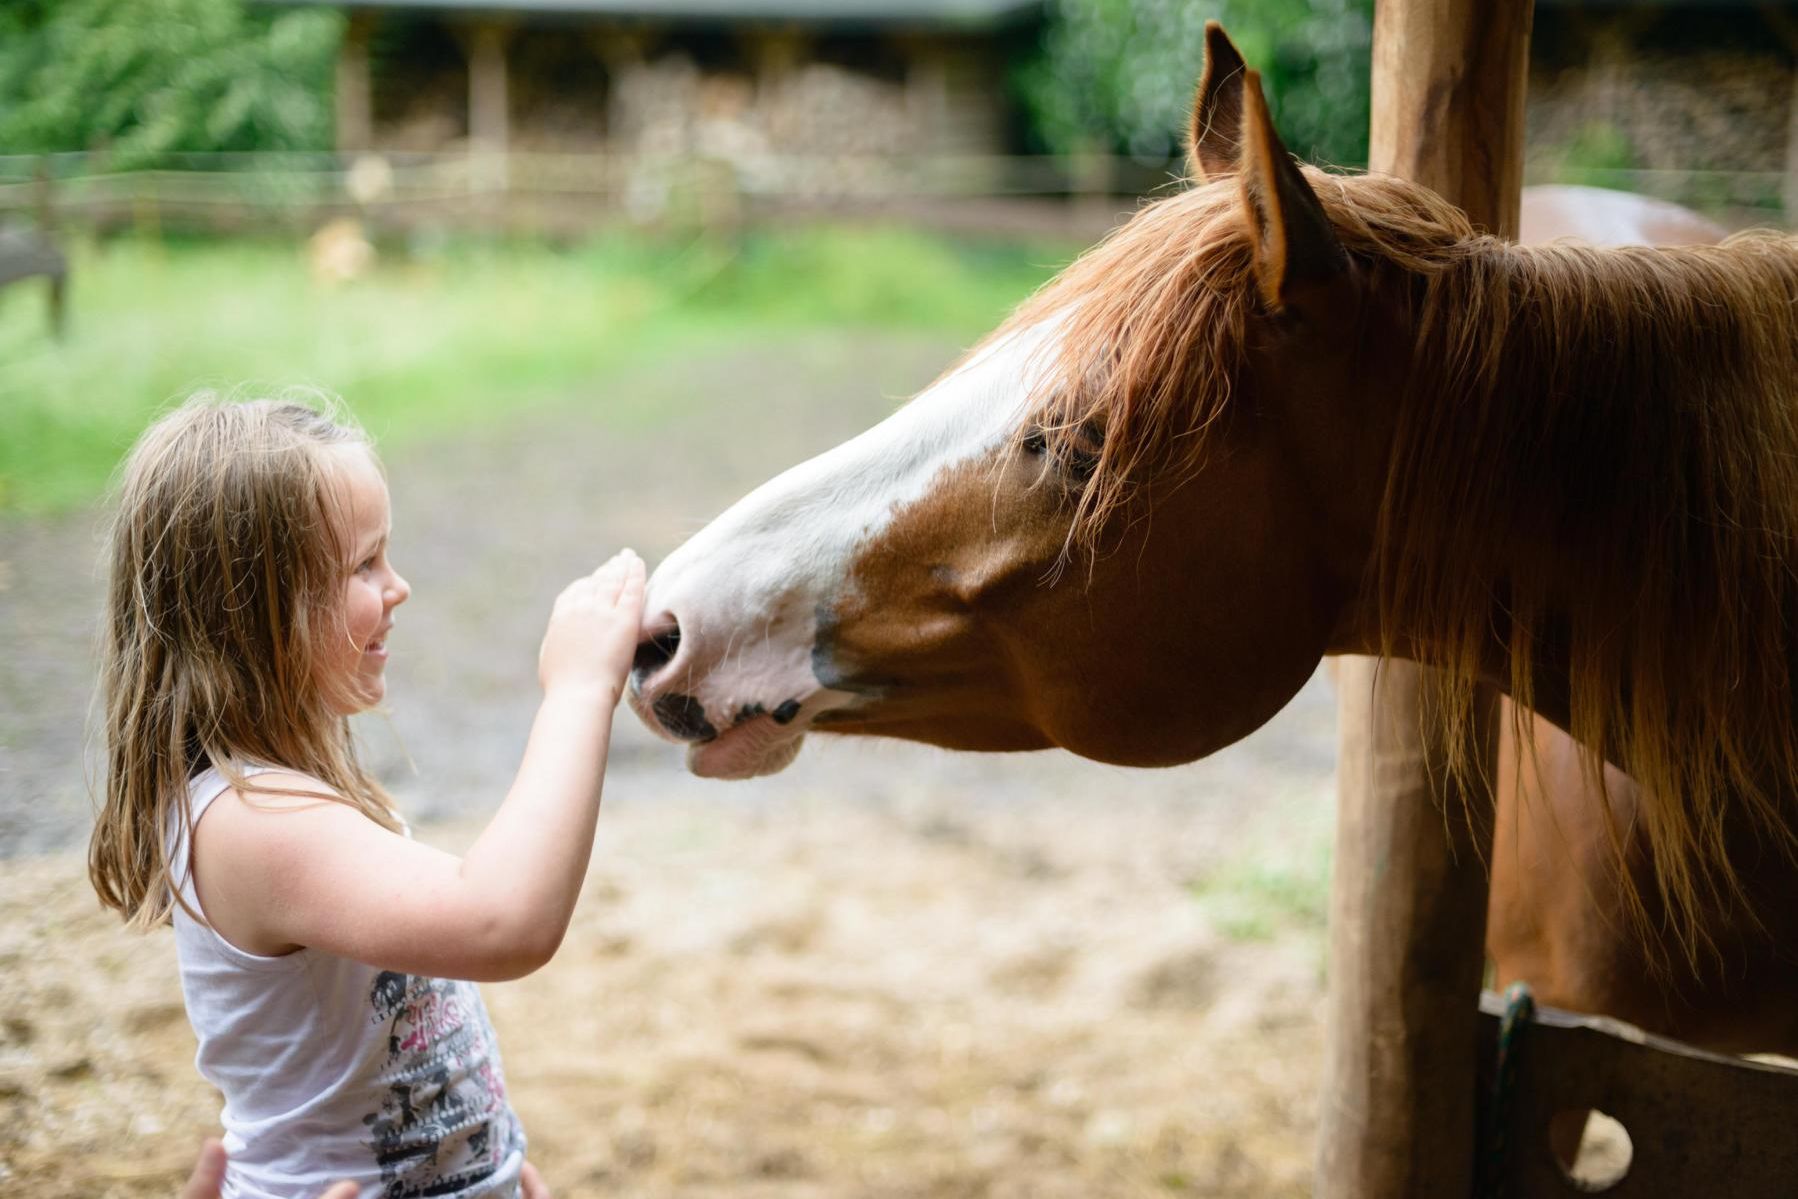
(1595, 464)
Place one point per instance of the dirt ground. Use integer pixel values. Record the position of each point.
(889, 971)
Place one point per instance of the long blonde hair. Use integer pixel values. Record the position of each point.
(227, 564)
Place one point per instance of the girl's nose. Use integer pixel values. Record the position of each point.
(398, 590)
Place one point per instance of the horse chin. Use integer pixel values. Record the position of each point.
(750, 750)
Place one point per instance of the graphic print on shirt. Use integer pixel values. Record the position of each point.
(444, 1126)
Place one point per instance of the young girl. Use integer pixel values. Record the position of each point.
(251, 605)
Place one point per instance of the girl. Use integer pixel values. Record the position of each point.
(250, 608)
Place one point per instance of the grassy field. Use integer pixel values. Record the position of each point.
(441, 335)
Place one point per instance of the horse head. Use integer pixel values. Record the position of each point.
(1127, 524)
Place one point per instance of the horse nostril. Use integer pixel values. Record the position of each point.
(655, 652)
(684, 717)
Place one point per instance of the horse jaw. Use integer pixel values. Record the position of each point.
(752, 592)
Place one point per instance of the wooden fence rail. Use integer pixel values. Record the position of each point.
(239, 190)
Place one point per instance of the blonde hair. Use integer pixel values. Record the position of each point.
(227, 561)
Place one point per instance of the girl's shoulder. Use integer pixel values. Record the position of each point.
(257, 839)
(212, 782)
(268, 786)
(256, 811)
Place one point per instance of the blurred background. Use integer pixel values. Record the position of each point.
(589, 270)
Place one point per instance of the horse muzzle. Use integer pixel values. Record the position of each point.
(741, 709)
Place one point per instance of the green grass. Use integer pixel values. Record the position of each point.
(446, 337)
(1270, 889)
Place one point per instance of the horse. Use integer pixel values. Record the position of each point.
(1599, 216)
(1284, 414)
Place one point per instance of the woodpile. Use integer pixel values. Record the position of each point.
(819, 130)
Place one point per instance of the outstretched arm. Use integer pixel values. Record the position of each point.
(276, 873)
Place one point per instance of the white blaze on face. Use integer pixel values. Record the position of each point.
(747, 588)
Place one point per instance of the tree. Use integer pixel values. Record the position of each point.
(148, 78)
(1119, 74)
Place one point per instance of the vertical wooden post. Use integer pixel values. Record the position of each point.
(43, 197)
(927, 99)
(775, 53)
(1407, 948)
(355, 89)
(44, 202)
(489, 104)
(1408, 901)
(1789, 194)
(1449, 82)
(1784, 29)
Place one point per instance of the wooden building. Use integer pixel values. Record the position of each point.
(1696, 100)
(724, 78)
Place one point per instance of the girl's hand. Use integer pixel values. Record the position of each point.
(592, 633)
(209, 1176)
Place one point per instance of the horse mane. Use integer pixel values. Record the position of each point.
(1619, 427)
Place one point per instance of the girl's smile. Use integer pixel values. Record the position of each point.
(353, 663)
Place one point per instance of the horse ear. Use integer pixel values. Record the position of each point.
(1295, 248)
(1214, 141)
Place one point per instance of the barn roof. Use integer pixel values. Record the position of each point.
(909, 13)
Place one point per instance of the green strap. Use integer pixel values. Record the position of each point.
(1520, 1009)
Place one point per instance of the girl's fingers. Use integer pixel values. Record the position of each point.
(630, 594)
(209, 1173)
(611, 577)
(617, 562)
(531, 1184)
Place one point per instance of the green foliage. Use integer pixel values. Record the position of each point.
(447, 336)
(1119, 74)
(149, 78)
(1595, 153)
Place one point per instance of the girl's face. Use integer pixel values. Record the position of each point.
(353, 661)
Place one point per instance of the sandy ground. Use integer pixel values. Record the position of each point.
(889, 971)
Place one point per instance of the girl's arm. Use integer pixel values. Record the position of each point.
(276, 873)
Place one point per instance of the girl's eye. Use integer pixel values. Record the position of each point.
(365, 566)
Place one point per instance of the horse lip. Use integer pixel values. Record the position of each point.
(779, 745)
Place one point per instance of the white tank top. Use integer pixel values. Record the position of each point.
(332, 1070)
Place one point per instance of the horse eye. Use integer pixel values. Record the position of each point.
(1083, 454)
(1035, 442)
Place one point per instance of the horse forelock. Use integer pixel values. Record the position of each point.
(1599, 445)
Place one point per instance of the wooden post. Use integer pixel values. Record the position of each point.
(1789, 193)
(1407, 949)
(57, 284)
(489, 106)
(43, 197)
(1784, 29)
(355, 89)
(927, 99)
(775, 54)
(1449, 81)
(1408, 900)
